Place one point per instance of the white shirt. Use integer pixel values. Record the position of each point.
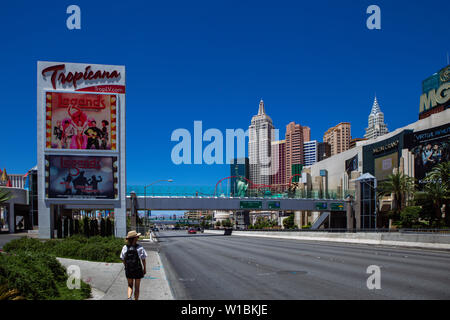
(140, 250)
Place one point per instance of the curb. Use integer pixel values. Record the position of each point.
(390, 243)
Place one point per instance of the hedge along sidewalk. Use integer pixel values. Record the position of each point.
(108, 280)
(102, 249)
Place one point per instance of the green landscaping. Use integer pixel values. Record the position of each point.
(36, 276)
(424, 207)
(97, 248)
(29, 268)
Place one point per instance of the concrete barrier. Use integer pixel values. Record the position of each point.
(419, 240)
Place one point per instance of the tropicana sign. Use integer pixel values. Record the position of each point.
(74, 77)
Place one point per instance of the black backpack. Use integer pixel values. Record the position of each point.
(132, 260)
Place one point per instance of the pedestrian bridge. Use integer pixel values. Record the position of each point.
(234, 204)
(213, 198)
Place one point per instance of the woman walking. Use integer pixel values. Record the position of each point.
(133, 256)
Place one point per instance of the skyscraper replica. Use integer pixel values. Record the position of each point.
(376, 127)
(259, 146)
(338, 137)
(294, 147)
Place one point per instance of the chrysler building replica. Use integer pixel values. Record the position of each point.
(376, 127)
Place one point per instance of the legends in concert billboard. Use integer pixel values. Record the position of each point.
(82, 121)
(81, 177)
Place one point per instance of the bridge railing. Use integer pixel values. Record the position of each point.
(208, 192)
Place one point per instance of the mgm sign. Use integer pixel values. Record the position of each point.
(435, 93)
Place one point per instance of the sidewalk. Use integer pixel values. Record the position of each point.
(108, 280)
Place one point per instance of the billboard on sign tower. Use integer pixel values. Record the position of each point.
(80, 141)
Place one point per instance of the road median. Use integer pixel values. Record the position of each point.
(412, 240)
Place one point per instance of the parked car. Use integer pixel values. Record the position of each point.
(192, 231)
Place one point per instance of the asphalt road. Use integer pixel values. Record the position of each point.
(207, 266)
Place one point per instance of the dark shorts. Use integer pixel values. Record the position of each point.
(138, 274)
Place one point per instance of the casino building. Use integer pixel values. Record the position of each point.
(414, 150)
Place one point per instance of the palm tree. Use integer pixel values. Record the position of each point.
(437, 194)
(440, 174)
(437, 189)
(400, 186)
(5, 195)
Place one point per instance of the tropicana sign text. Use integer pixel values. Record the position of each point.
(74, 77)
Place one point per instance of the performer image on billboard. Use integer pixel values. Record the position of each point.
(428, 155)
(80, 183)
(67, 181)
(58, 131)
(93, 182)
(93, 133)
(81, 121)
(86, 177)
(105, 135)
(67, 133)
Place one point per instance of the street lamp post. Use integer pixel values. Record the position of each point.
(145, 191)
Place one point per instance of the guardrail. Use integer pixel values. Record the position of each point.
(381, 230)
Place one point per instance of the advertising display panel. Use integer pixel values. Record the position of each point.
(385, 165)
(81, 177)
(380, 158)
(351, 165)
(429, 147)
(80, 141)
(81, 121)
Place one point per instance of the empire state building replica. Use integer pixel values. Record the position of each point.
(259, 146)
(376, 127)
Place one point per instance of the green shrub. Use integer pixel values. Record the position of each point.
(96, 248)
(288, 223)
(24, 244)
(409, 216)
(37, 276)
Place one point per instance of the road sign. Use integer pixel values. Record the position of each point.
(337, 207)
(274, 204)
(251, 204)
(321, 206)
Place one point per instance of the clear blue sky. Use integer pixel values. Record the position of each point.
(312, 62)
